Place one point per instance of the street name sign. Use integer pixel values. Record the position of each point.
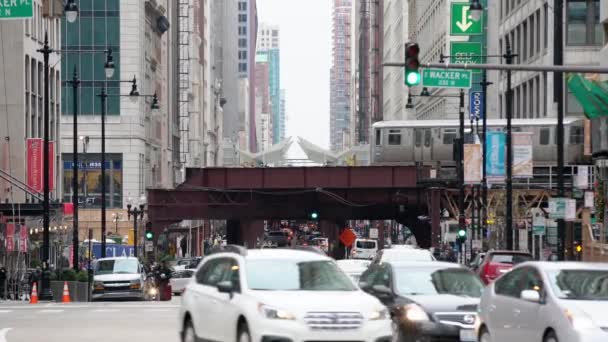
(446, 78)
(466, 53)
(476, 105)
(461, 22)
(16, 9)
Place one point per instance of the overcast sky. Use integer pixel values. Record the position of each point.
(305, 61)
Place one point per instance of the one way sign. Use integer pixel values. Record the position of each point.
(476, 105)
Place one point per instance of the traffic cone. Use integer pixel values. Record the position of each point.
(34, 296)
(66, 293)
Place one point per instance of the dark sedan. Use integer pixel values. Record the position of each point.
(429, 301)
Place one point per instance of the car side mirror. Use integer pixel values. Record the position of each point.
(226, 287)
(382, 290)
(530, 296)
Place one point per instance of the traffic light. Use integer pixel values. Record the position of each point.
(149, 234)
(462, 234)
(314, 215)
(578, 248)
(412, 64)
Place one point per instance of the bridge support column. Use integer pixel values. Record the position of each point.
(381, 228)
(244, 232)
(233, 232)
(435, 215)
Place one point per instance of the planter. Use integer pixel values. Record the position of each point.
(78, 291)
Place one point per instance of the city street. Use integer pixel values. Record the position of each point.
(100, 321)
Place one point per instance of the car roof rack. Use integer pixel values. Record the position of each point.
(240, 250)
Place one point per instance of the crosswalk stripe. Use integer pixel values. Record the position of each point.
(50, 311)
(105, 310)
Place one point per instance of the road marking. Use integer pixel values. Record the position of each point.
(5, 311)
(156, 310)
(105, 310)
(3, 333)
(50, 311)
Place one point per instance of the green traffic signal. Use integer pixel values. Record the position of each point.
(149, 235)
(462, 233)
(314, 215)
(412, 78)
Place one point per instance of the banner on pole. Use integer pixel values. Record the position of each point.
(23, 239)
(589, 199)
(472, 163)
(35, 164)
(10, 237)
(495, 162)
(582, 177)
(522, 155)
(570, 209)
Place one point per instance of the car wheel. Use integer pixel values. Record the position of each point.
(485, 336)
(550, 337)
(188, 335)
(243, 333)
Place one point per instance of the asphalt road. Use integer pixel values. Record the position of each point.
(90, 322)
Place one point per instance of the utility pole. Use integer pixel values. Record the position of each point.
(75, 83)
(460, 165)
(558, 96)
(509, 111)
(484, 179)
(103, 97)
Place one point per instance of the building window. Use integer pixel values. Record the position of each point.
(242, 6)
(89, 179)
(242, 67)
(546, 24)
(242, 18)
(577, 135)
(545, 136)
(242, 30)
(583, 23)
(242, 43)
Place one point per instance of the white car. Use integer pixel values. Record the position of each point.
(364, 249)
(353, 268)
(546, 301)
(278, 295)
(179, 280)
(403, 255)
(117, 278)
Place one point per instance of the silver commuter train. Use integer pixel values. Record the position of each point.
(430, 142)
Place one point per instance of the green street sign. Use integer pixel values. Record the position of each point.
(16, 9)
(466, 53)
(446, 78)
(461, 23)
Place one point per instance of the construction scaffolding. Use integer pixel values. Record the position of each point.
(184, 27)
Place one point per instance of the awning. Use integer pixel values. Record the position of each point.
(592, 95)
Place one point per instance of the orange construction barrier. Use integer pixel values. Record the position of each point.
(66, 293)
(34, 296)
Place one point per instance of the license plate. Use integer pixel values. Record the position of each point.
(467, 335)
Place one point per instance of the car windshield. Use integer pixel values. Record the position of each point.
(453, 281)
(512, 259)
(406, 254)
(287, 275)
(579, 284)
(116, 266)
(366, 244)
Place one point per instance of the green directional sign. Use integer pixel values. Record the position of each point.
(446, 78)
(466, 53)
(16, 9)
(461, 23)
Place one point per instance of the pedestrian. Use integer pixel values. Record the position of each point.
(3, 285)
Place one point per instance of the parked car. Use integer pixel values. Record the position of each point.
(278, 238)
(120, 277)
(496, 263)
(428, 301)
(402, 254)
(179, 280)
(187, 263)
(364, 249)
(547, 301)
(322, 243)
(278, 295)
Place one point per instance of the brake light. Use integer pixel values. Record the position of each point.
(485, 274)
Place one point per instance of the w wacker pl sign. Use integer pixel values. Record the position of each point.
(16, 9)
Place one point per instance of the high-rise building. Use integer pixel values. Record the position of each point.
(248, 31)
(269, 44)
(22, 97)
(339, 111)
(142, 145)
(283, 122)
(262, 99)
(395, 35)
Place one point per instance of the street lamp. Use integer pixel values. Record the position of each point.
(136, 213)
(71, 11)
(476, 10)
(109, 67)
(75, 83)
(116, 217)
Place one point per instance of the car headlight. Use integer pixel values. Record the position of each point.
(579, 320)
(275, 313)
(98, 285)
(415, 313)
(379, 315)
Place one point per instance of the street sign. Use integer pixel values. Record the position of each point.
(538, 221)
(348, 237)
(16, 9)
(373, 233)
(446, 78)
(466, 53)
(476, 105)
(149, 246)
(461, 22)
(557, 208)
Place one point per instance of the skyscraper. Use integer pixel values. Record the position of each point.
(248, 31)
(269, 45)
(340, 80)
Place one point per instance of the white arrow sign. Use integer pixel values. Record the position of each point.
(464, 25)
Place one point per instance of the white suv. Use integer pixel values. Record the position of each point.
(278, 295)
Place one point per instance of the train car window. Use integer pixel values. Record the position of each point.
(394, 137)
(427, 138)
(378, 137)
(418, 137)
(449, 135)
(576, 135)
(545, 135)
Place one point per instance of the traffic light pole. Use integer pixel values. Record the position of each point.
(135, 212)
(460, 166)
